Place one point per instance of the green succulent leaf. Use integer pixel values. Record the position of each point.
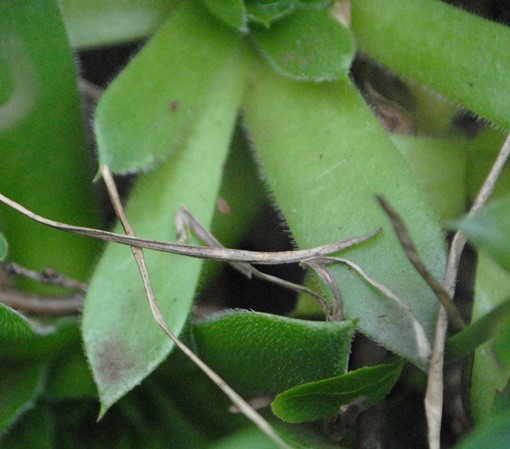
(122, 341)
(439, 165)
(489, 230)
(308, 45)
(44, 159)
(258, 353)
(151, 107)
(321, 399)
(324, 156)
(432, 42)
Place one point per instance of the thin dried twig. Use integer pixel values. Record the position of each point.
(411, 252)
(242, 405)
(434, 393)
(422, 342)
(200, 252)
(184, 218)
(32, 303)
(47, 276)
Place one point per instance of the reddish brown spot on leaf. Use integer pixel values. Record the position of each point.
(174, 105)
(223, 206)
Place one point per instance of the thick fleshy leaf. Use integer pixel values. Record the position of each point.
(3, 247)
(94, 23)
(316, 400)
(149, 109)
(489, 230)
(20, 384)
(44, 162)
(490, 376)
(258, 353)
(432, 42)
(232, 12)
(324, 156)
(308, 45)
(122, 341)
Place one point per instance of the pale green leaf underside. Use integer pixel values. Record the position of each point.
(122, 341)
(325, 156)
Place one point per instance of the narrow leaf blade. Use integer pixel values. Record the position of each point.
(325, 156)
(122, 341)
(151, 106)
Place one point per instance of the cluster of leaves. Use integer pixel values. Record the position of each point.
(169, 116)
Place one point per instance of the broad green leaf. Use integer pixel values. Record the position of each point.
(232, 12)
(494, 434)
(308, 45)
(492, 287)
(3, 247)
(44, 162)
(266, 12)
(122, 341)
(33, 430)
(94, 23)
(489, 230)
(20, 338)
(285, 351)
(439, 165)
(324, 156)
(20, 384)
(316, 400)
(432, 42)
(149, 109)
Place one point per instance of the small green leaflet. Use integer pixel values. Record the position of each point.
(316, 400)
(308, 45)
